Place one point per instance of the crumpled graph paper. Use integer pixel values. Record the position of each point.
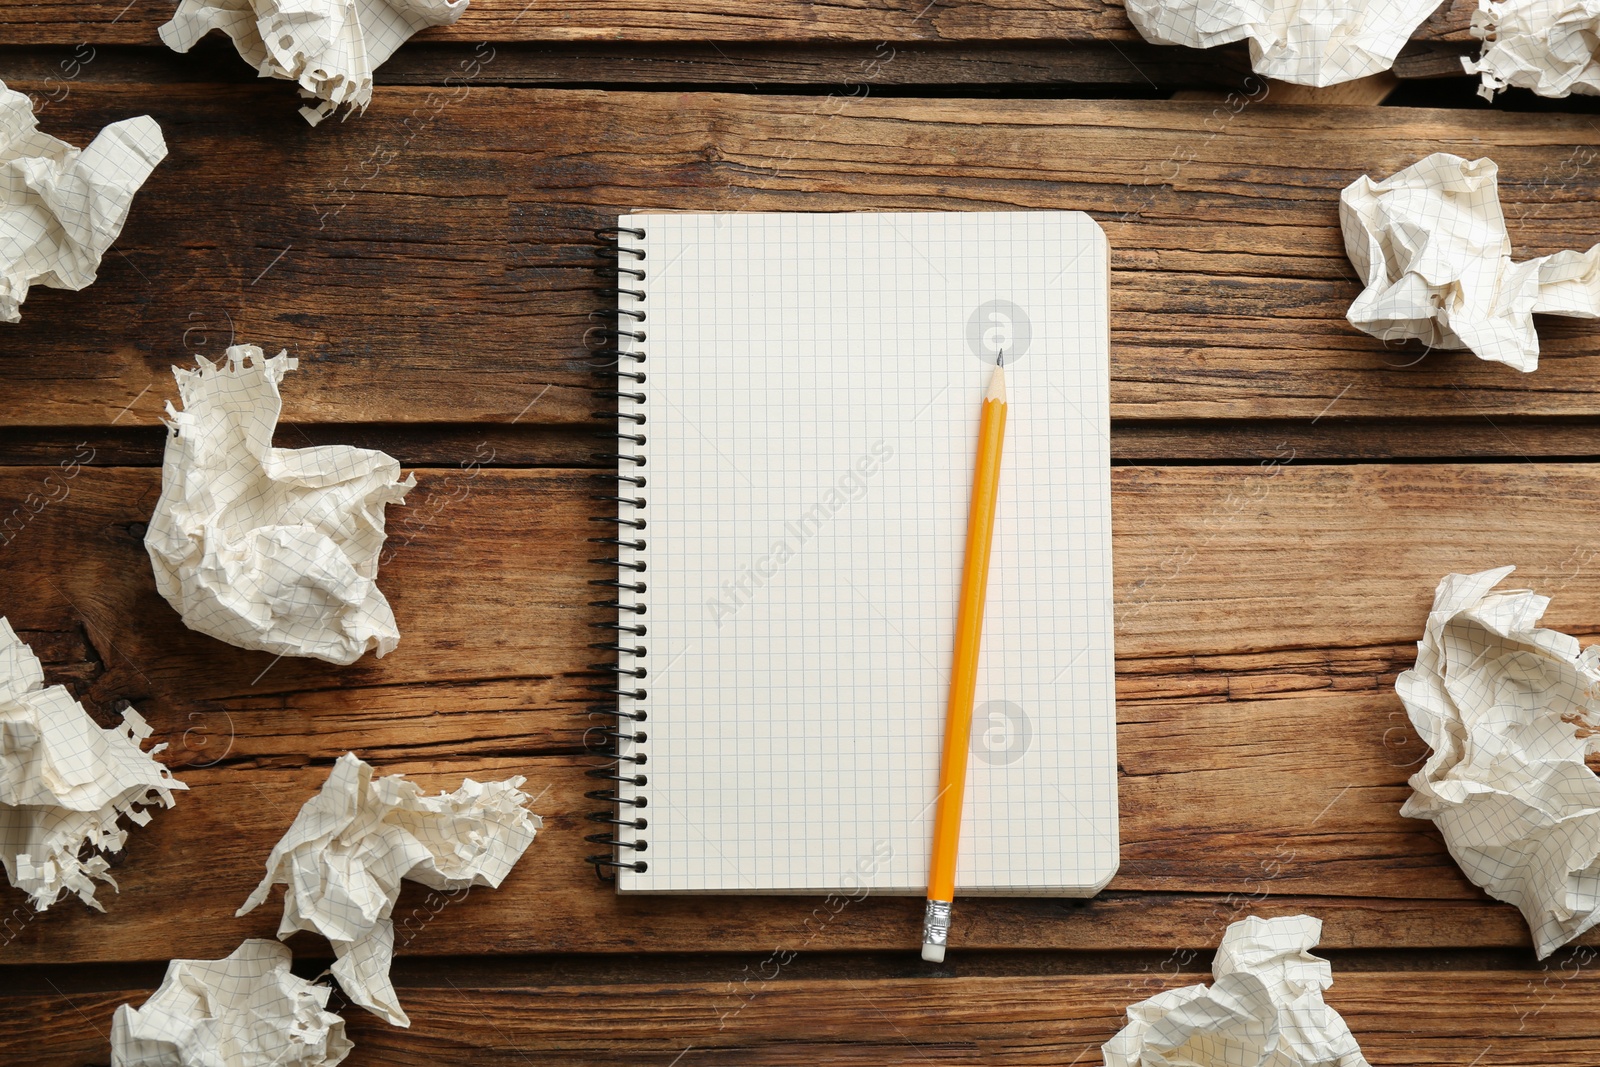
(330, 47)
(65, 782)
(1263, 1009)
(350, 846)
(1430, 245)
(269, 548)
(1544, 45)
(245, 1010)
(61, 207)
(1310, 42)
(1510, 710)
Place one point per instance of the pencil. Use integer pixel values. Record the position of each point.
(964, 671)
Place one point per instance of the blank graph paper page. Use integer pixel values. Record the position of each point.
(812, 394)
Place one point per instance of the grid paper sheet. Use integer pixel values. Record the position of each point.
(813, 392)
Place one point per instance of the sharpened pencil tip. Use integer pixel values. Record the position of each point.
(997, 381)
(1000, 360)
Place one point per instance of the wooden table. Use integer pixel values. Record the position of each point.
(1287, 491)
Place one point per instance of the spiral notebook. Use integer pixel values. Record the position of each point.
(797, 405)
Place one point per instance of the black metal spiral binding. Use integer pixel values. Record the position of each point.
(621, 378)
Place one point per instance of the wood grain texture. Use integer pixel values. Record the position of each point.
(110, 22)
(428, 263)
(1263, 612)
(1369, 91)
(1132, 441)
(1137, 67)
(445, 242)
(1496, 1018)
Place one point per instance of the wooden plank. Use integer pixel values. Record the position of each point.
(1332, 834)
(1369, 91)
(452, 251)
(1511, 439)
(740, 65)
(1139, 67)
(504, 445)
(109, 22)
(1433, 59)
(1210, 562)
(1385, 885)
(1263, 751)
(1494, 1018)
(1333, 438)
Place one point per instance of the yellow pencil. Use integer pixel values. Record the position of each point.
(964, 672)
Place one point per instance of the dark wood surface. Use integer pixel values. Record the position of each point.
(1287, 491)
(412, 238)
(136, 22)
(1501, 1016)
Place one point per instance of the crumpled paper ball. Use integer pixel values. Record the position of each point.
(352, 844)
(1547, 46)
(245, 1010)
(1510, 710)
(1264, 1009)
(1430, 244)
(61, 207)
(65, 783)
(1309, 42)
(269, 548)
(330, 47)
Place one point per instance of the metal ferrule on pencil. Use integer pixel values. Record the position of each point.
(935, 930)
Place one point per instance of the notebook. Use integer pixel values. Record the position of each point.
(797, 403)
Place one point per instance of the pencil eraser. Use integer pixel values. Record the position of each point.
(933, 953)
